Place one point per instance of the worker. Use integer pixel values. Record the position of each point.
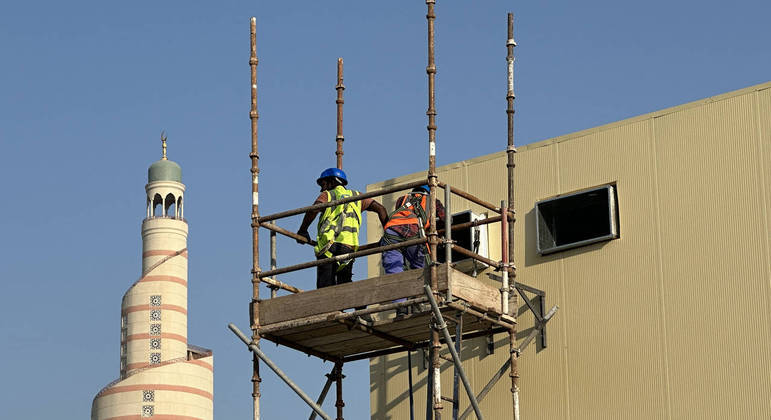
(408, 221)
(338, 227)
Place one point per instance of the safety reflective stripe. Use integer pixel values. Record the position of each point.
(339, 224)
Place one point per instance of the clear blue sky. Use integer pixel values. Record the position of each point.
(86, 87)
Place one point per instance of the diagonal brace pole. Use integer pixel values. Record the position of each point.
(256, 350)
(499, 374)
(451, 346)
(331, 376)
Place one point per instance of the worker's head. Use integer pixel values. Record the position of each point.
(424, 189)
(332, 177)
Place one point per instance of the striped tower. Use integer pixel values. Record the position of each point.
(161, 375)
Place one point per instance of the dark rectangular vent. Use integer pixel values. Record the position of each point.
(576, 219)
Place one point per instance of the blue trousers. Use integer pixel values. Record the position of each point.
(395, 259)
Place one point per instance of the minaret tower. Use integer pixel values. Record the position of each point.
(160, 374)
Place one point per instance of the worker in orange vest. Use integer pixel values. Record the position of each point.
(408, 221)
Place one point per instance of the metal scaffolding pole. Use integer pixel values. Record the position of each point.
(409, 381)
(432, 183)
(328, 384)
(450, 346)
(339, 404)
(255, 170)
(257, 352)
(339, 101)
(510, 151)
(456, 376)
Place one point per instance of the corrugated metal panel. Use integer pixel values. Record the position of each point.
(713, 272)
(607, 283)
(671, 320)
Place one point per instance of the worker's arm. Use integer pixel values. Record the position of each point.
(369, 204)
(440, 214)
(309, 217)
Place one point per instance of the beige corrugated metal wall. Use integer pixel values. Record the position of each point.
(673, 319)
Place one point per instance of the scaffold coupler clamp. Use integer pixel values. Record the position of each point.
(435, 325)
(509, 266)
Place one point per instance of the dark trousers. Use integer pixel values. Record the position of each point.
(332, 274)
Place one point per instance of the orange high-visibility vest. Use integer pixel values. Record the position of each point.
(412, 211)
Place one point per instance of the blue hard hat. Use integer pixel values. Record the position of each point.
(333, 173)
(425, 188)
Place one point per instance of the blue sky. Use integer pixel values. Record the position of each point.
(86, 87)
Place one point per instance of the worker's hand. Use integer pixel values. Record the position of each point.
(304, 234)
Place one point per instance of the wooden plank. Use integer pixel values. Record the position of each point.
(394, 328)
(347, 335)
(475, 292)
(336, 298)
(322, 335)
(401, 329)
(414, 330)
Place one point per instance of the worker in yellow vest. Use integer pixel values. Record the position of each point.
(338, 227)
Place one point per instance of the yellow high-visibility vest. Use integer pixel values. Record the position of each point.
(338, 224)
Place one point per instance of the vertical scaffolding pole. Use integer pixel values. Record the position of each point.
(255, 157)
(340, 88)
(456, 376)
(505, 259)
(409, 381)
(330, 378)
(510, 150)
(432, 232)
(442, 326)
(273, 260)
(339, 404)
(448, 235)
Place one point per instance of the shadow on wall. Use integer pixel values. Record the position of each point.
(395, 369)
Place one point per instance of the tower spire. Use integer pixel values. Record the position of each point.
(163, 144)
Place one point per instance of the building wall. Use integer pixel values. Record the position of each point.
(671, 320)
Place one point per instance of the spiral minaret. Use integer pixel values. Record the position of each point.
(161, 375)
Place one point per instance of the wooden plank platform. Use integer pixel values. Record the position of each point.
(311, 321)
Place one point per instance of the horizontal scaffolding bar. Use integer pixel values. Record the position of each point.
(473, 223)
(336, 316)
(459, 226)
(277, 229)
(475, 256)
(280, 285)
(342, 257)
(322, 206)
(480, 315)
(472, 198)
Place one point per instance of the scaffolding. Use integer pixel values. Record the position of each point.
(314, 322)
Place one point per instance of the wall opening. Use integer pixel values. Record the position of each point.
(576, 219)
(171, 206)
(157, 206)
